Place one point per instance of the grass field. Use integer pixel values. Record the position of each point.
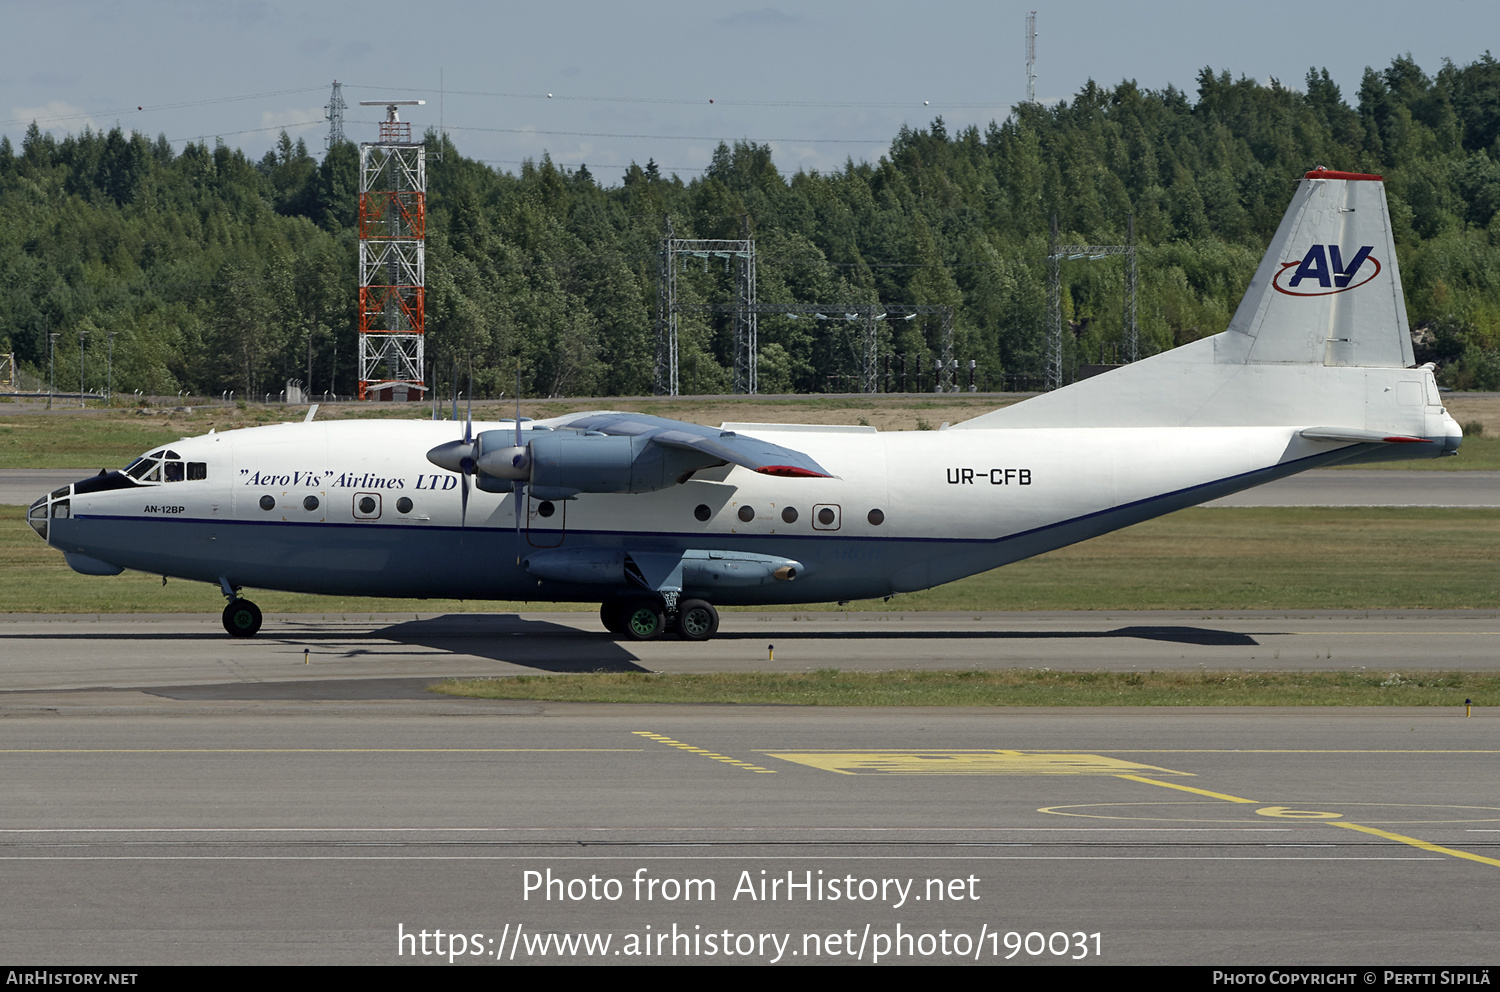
(1014, 687)
(1219, 558)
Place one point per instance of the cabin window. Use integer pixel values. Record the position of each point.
(268, 503)
(310, 503)
(197, 471)
(403, 505)
(747, 513)
(789, 515)
(367, 506)
(546, 509)
(172, 472)
(876, 518)
(702, 512)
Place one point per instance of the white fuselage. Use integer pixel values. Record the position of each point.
(903, 511)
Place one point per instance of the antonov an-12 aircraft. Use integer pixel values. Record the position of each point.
(661, 521)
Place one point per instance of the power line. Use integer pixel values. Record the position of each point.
(672, 137)
(249, 130)
(679, 101)
(141, 109)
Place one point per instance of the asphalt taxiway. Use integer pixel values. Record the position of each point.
(171, 795)
(539, 832)
(295, 653)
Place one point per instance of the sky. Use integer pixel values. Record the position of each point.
(605, 83)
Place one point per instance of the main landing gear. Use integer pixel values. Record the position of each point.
(241, 617)
(644, 619)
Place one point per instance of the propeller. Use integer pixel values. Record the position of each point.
(512, 463)
(459, 456)
(467, 462)
(519, 460)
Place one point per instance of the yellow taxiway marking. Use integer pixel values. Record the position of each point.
(1122, 811)
(704, 752)
(1188, 788)
(1282, 812)
(1415, 842)
(964, 763)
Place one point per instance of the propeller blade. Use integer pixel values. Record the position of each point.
(469, 417)
(459, 456)
(519, 461)
(520, 487)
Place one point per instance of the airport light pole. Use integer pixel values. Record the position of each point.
(110, 380)
(51, 374)
(81, 336)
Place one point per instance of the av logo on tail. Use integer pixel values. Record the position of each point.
(1323, 272)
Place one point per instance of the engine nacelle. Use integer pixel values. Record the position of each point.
(560, 464)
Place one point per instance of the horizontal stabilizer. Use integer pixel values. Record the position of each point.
(1349, 435)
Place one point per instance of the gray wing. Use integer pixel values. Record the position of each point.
(728, 446)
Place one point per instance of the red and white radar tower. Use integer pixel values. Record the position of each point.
(392, 253)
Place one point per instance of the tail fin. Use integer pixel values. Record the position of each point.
(1319, 340)
(1328, 291)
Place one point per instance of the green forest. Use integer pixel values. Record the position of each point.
(214, 272)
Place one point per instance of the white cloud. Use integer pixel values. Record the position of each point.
(55, 116)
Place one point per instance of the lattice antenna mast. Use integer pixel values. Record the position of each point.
(392, 259)
(676, 251)
(1056, 255)
(335, 114)
(1031, 57)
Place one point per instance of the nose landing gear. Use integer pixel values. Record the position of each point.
(242, 618)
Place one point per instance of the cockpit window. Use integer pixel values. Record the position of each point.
(166, 465)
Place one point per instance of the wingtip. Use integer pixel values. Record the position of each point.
(792, 471)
